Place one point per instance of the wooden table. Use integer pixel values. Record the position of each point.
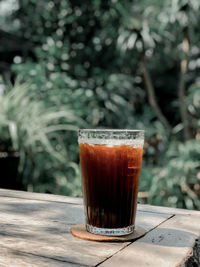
(35, 231)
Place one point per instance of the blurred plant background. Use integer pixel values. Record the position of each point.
(114, 64)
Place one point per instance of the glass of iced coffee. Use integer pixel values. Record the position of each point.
(110, 165)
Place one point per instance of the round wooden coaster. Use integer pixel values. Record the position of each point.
(80, 231)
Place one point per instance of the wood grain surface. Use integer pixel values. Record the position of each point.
(35, 231)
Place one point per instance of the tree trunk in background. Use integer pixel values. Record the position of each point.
(151, 94)
(181, 87)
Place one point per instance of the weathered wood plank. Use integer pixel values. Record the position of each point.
(166, 210)
(39, 196)
(42, 228)
(74, 200)
(170, 244)
(13, 258)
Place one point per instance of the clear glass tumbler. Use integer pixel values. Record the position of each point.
(110, 165)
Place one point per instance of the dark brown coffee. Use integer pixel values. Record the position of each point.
(110, 177)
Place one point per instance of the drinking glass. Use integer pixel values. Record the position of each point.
(110, 166)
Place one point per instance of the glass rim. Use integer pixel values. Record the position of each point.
(111, 137)
(111, 130)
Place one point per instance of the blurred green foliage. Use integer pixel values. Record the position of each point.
(176, 182)
(35, 131)
(85, 57)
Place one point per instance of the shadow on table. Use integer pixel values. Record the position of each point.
(26, 218)
(60, 216)
(169, 237)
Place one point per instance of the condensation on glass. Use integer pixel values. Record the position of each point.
(110, 166)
